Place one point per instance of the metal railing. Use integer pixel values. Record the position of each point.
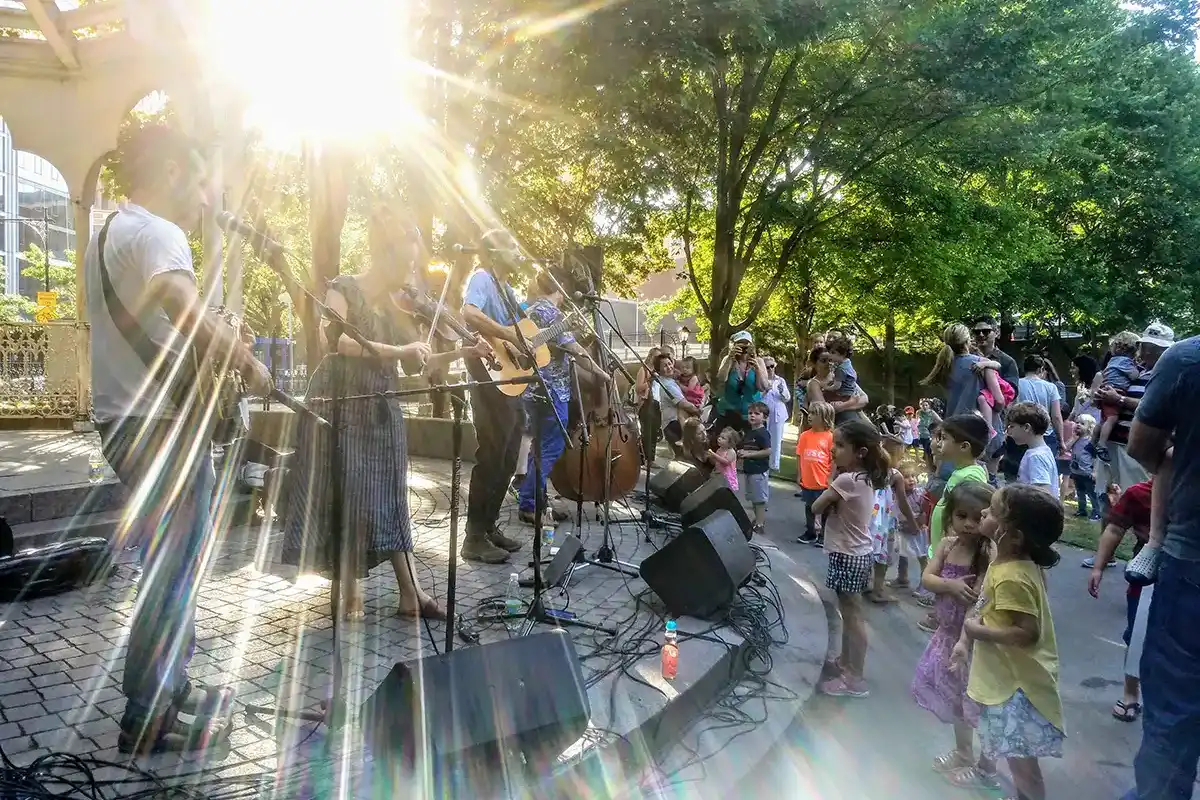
(45, 370)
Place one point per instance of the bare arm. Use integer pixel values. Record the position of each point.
(1148, 445)
(1105, 548)
(760, 374)
(717, 457)
(827, 500)
(1056, 420)
(484, 324)
(175, 293)
(723, 370)
(856, 403)
(347, 346)
(1023, 632)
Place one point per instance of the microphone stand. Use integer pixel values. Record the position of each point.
(333, 714)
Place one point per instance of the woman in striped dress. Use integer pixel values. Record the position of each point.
(376, 525)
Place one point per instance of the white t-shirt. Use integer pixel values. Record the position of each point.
(669, 396)
(1039, 468)
(140, 245)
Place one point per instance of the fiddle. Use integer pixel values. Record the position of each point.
(422, 305)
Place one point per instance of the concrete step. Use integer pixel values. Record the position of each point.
(106, 523)
(43, 503)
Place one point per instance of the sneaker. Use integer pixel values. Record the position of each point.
(806, 538)
(928, 623)
(1143, 569)
(819, 541)
(844, 686)
(1090, 562)
(925, 597)
(254, 475)
(757, 530)
(1103, 454)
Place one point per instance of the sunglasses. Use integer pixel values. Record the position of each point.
(979, 332)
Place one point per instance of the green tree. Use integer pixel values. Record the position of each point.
(62, 277)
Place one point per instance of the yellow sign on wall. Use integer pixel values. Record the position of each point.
(47, 307)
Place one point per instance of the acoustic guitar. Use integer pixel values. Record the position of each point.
(515, 364)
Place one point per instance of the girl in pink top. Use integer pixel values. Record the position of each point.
(724, 458)
(862, 468)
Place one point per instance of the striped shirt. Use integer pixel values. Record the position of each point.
(1137, 388)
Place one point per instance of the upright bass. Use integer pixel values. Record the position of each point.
(608, 468)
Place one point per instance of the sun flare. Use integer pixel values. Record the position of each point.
(317, 69)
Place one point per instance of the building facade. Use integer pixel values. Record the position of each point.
(35, 209)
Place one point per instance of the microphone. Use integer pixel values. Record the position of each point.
(262, 244)
(591, 297)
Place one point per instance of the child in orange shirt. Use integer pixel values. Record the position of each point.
(814, 456)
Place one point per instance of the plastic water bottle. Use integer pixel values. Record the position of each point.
(512, 603)
(548, 540)
(97, 466)
(670, 652)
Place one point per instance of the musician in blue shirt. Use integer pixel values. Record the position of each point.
(491, 308)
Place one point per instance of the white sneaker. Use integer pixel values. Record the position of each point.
(1142, 570)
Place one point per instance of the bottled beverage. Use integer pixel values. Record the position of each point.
(512, 603)
(670, 652)
(548, 540)
(97, 466)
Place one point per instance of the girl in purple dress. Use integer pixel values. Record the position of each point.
(953, 575)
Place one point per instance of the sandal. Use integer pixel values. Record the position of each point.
(167, 733)
(1127, 712)
(949, 762)
(879, 598)
(972, 777)
(205, 702)
(426, 610)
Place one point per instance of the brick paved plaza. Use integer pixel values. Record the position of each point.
(61, 658)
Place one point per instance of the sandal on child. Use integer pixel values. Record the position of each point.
(879, 598)
(972, 777)
(1127, 712)
(896, 583)
(949, 762)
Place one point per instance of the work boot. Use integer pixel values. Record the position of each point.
(503, 542)
(477, 547)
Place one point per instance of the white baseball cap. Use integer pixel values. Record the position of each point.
(1157, 334)
(742, 336)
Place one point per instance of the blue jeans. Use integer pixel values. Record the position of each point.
(552, 443)
(1165, 766)
(169, 474)
(808, 497)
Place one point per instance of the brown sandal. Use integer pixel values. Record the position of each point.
(949, 762)
(427, 610)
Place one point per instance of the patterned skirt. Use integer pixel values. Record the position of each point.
(1015, 729)
(373, 479)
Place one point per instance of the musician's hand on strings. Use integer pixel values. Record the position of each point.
(257, 377)
(481, 349)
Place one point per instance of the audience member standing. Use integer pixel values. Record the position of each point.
(1165, 766)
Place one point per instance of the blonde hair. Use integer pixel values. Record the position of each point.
(821, 414)
(957, 338)
(1123, 343)
(735, 438)
(1086, 422)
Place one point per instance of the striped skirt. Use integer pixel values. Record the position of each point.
(373, 477)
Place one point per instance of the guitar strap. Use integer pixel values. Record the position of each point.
(178, 377)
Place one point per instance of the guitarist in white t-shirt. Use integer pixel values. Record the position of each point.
(154, 347)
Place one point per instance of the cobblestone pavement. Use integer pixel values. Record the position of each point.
(62, 657)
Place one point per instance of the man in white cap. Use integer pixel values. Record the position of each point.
(1121, 469)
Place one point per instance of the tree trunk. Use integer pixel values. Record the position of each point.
(889, 358)
(329, 173)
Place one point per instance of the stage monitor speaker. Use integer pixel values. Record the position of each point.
(698, 573)
(674, 482)
(713, 496)
(524, 695)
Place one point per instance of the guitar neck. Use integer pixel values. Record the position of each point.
(553, 332)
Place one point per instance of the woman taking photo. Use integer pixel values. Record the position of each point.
(376, 524)
(741, 380)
